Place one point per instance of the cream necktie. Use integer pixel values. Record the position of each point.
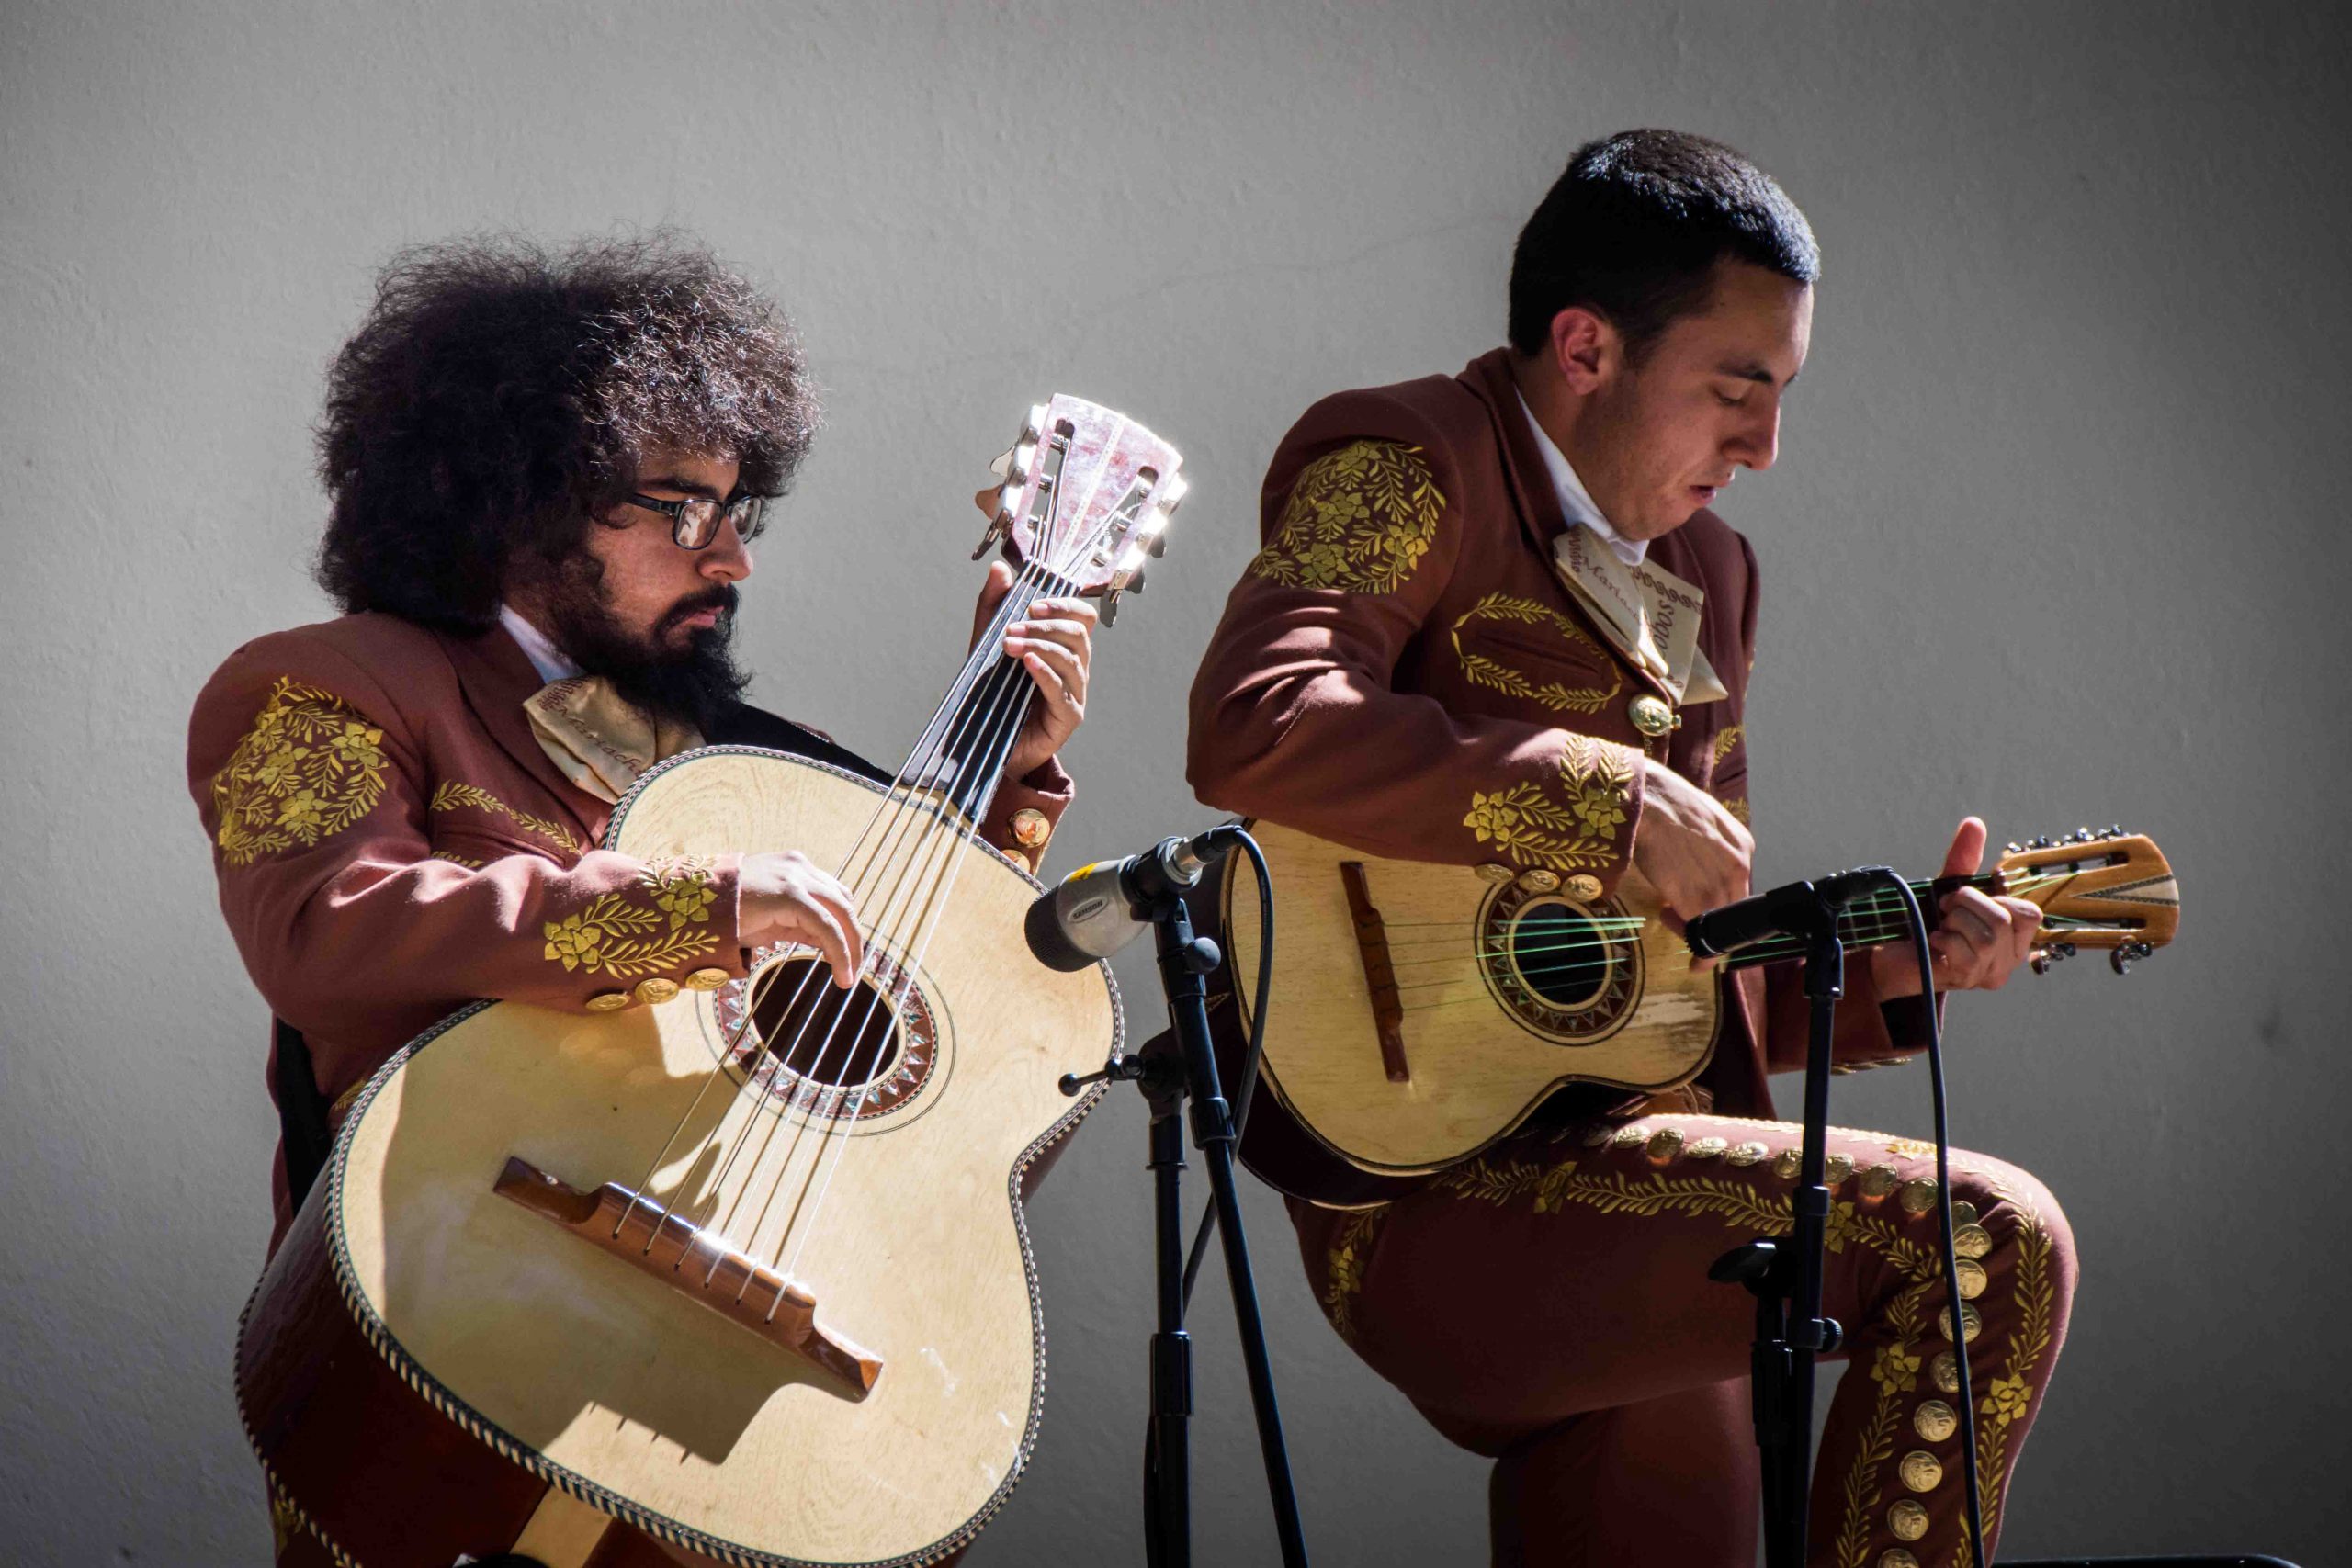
(1651, 615)
(601, 742)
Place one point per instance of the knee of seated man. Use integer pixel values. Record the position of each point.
(2025, 1233)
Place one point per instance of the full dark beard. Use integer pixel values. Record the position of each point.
(695, 685)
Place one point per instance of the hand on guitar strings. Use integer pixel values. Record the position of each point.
(1693, 850)
(1979, 942)
(784, 897)
(1055, 642)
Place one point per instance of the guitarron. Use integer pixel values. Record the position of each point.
(746, 1270)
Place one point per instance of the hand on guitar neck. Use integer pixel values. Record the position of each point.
(1979, 940)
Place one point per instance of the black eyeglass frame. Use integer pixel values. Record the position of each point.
(748, 513)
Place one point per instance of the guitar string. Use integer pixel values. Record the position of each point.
(1023, 695)
(803, 1220)
(816, 1100)
(810, 1088)
(823, 1099)
(892, 808)
(1017, 708)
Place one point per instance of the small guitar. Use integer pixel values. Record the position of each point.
(1426, 1011)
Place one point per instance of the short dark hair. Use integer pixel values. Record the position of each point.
(1634, 229)
(500, 395)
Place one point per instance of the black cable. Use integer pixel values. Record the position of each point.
(1257, 1039)
(1943, 1203)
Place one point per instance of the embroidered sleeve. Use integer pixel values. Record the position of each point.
(307, 768)
(1358, 519)
(1571, 824)
(651, 928)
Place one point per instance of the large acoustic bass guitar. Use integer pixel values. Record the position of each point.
(743, 1276)
(1422, 1012)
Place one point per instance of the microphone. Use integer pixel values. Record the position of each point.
(1098, 910)
(1792, 911)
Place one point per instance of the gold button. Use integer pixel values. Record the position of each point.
(1538, 880)
(1972, 1278)
(1945, 1370)
(1895, 1557)
(1650, 715)
(1030, 828)
(1964, 1212)
(658, 988)
(1630, 1138)
(1836, 1168)
(1972, 1322)
(1918, 1195)
(1907, 1520)
(706, 979)
(1706, 1148)
(1787, 1163)
(1921, 1470)
(1971, 1240)
(1935, 1420)
(1024, 861)
(1582, 888)
(1745, 1154)
(1496, 872)
(609, 1001)
(1880, 1180)
(1665, 1144)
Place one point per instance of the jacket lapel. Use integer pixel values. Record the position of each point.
(497, 678)
(1541, 520)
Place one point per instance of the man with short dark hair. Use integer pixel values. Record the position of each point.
(546, 471)
(1495, 623)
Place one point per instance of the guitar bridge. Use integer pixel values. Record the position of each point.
(695, 1263)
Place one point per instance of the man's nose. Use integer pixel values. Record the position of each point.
(727, 558)
(1759, 444)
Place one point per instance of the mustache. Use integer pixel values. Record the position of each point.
(723, 599)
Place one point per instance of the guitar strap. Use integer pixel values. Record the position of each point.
(302, 1111)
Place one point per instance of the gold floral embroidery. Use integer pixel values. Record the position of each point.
(1481, 671)
(1358, 519)
(625, 938)
(1527, 824)
(1350, 1247)
(1896, 1373)
(1727, 737)
(1738, 808)
(2008, 1398)
(469, 863)
(309, 768)
(452, 795)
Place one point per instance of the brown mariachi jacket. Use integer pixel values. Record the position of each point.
(391, 842)
(1400, 670)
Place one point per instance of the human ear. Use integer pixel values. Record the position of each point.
(1585, 348)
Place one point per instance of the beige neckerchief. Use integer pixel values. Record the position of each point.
(601, 742)
(1651, 615)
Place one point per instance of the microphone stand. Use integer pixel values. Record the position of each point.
(1784, 1275)
(1167, 1069)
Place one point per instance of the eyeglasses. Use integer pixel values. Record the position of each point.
(693, 522)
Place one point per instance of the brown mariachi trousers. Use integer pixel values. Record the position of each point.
(1547, 1304)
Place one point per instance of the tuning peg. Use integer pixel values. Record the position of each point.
(2043, 958)
(2131, 953)
(2013, 847)
(1135, 581)
(2114, 831)
(1109, 606)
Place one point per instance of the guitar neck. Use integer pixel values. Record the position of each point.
(963, 751)
(1870, 921)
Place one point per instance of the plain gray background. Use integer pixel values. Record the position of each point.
(2053, 537)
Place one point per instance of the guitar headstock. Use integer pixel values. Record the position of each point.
(1087, 495)
(2112, 890)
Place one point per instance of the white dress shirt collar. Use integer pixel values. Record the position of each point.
(538, 647)
(1576, 502)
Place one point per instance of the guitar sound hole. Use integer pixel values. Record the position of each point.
(820, 1032)
(1560, 955)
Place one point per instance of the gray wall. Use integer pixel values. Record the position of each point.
(2054, 538)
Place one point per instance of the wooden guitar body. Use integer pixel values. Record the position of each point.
(1492, 996)
(886, 1407)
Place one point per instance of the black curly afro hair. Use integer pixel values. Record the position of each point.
(499, 396)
